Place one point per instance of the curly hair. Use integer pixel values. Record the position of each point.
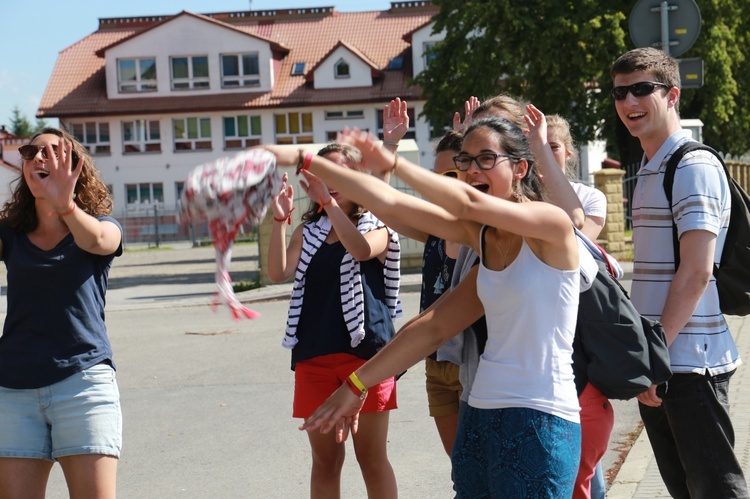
(90, 193)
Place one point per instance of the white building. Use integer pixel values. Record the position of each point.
(152, 97)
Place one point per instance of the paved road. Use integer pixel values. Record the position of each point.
(207, 401)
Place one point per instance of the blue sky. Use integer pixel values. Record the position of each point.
(32, 33)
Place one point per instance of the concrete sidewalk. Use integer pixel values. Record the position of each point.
(639, 478)
(183, 277)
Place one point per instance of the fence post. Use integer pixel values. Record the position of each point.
(156, 226)
(609, 181)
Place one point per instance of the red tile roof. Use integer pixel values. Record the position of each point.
(77, 85)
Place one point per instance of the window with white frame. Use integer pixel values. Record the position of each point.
(144, 193)
(241, 131)
(428, 46)
(411, 133)
(191, 134)
(136, 75)
(343, 115)
(140, 136)
(294, 128)
(240, 70)
(92, 135)
(341, 69)
(189, 72)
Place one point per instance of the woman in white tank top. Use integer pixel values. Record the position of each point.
(521, 428)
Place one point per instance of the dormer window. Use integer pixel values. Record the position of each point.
(136, 75)
(189, 72)
(240, 70)
(396, 63)
(341, 69)
(298, 69)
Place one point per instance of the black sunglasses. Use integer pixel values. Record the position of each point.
(29, 152)
(640, 89)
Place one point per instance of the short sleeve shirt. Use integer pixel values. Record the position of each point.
(700, 202)
(54, 326)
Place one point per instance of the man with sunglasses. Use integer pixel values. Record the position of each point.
(687, 418)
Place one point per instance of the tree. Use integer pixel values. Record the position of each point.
(724, 99)
(20, 125)
(558, 55)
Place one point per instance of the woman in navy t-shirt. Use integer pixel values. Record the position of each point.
(58, 394)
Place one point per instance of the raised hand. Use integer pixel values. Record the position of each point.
(469, 107)
(59, 185)
(315, 188)
(374, 157)
(537, 122)
(283, 201)
(395, 121)
(340, 410)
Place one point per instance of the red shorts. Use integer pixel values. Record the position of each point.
(316, 379)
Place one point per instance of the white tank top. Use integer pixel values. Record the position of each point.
(531, 311)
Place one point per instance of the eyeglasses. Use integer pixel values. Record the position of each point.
(485, 161)
(29, 152)
(640, 89)
(450, 173)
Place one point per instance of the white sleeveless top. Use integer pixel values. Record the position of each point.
(531, 311)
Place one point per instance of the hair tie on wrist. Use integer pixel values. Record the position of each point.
(390, 143)
(69, 212)
(287, 219)
(303, 164)
(322, 204)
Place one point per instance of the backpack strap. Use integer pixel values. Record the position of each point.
(674, 160)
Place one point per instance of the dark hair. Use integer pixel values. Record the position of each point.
(90, 193)
(663, 67)
(450, 141)
(353, 156)
(514, 142)
(505, 104)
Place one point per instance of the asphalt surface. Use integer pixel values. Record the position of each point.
(207, 400)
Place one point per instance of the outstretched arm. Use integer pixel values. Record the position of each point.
(384, 201)
(535, 220)
(457, 310)
(90, 234)
(557, 185)
(362, 247)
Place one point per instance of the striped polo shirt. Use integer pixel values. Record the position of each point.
(700, 202)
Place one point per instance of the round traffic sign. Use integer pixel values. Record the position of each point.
(684, 23)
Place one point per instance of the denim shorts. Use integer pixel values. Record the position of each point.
(78, 415)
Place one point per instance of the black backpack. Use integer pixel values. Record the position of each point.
(615, 348)
(733, 272)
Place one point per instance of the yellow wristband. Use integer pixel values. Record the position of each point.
(358, 384)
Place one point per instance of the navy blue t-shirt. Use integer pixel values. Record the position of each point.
(437, 270)
(54, 326)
